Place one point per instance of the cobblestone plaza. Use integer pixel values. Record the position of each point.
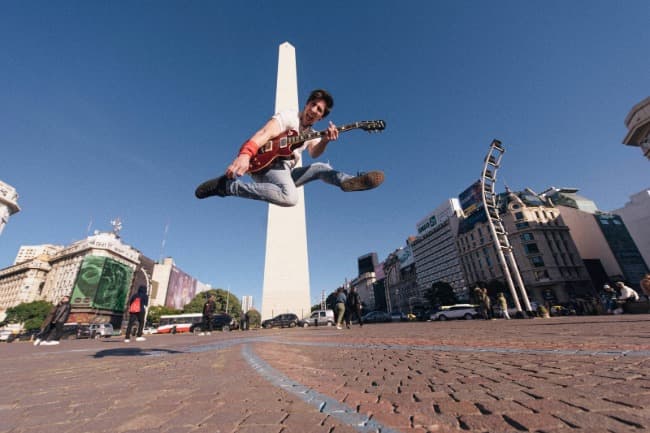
(572, 374)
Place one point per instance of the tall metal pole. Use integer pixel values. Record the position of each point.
(499, 234)
(146, 310)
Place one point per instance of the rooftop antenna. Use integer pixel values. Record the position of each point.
(164, 239)
(117, 226)
(90, 224)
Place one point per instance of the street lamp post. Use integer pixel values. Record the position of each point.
(146, 310)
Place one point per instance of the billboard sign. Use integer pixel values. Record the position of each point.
(181, 289)
(471, 199)
(102, 283)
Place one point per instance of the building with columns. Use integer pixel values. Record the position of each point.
(548, 260)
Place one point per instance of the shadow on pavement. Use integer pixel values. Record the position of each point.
(133, 351)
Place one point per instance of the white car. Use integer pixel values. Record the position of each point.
(457, 311)
(318, 318)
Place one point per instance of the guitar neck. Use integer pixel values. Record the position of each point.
(301, 138)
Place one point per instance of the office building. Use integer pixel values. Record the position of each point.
(435, 252)
(636, 217)
(601, 238)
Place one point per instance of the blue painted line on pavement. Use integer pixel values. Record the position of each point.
(323, 403)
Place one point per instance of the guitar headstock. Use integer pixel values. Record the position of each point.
(372, 125)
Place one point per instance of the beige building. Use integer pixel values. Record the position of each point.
(29, 252)
(638, 127)
(547, 258)
(50, 277)
(22, 283)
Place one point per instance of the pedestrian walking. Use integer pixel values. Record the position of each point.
(209, 308)
(243, 321)
(137, 307)
(341, 298)
(353, 307)
(52, 328)
(503, 304)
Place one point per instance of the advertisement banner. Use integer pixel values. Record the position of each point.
(85, 287)
(471, 199)
(102, 283)
(181, 289)
(113, 286)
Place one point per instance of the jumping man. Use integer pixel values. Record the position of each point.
(279, 182)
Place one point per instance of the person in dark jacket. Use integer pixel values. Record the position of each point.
(353, 307)
(137, 306)
(209, 308)
(52, 328)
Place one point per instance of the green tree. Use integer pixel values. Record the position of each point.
(31, 314)
(254, 318)
(440, 293)
(223, 298)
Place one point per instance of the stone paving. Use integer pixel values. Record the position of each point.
(572, 374)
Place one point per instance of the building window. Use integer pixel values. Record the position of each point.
(541, 275)
(519, 216)
(531, 248)
(527, 237)
(537, 261)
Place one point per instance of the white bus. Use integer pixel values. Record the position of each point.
(176, 323)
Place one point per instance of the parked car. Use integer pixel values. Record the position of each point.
(457, 311)
(28, 335)
(288, 320)
(222, 321)
(318, 318)
(95, 330)
(397, 316)
(377, 317)
(7, 335)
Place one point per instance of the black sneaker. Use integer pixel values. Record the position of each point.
(212, 187)
(363, 181)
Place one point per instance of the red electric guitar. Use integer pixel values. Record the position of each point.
(283, 145)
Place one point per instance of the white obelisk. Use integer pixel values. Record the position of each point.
(286, 268)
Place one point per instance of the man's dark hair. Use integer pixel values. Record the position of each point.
(325, 96)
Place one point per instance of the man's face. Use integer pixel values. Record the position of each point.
(313, 112)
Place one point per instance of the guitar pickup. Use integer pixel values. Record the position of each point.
(266, 147)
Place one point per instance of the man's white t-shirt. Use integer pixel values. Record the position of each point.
(289, 120)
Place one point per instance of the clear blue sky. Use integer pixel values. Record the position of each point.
(119, 109)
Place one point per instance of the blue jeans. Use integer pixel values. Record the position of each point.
(279, 184)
